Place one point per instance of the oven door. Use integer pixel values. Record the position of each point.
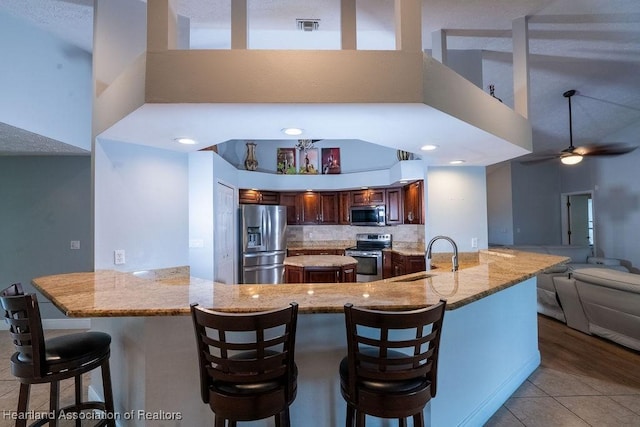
(369, 267)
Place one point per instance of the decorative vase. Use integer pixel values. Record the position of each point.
(403, 155)
(251, 163)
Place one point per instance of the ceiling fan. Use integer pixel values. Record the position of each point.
(573, 155)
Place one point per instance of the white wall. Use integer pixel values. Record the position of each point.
(617, 202)
(141, 206)
(45, 204)
(201, 184)
(536, 203)
(500, 204)
(456, 206)
(48, 90)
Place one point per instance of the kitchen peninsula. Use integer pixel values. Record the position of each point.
(488, 348)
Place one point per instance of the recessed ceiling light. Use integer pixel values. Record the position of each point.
(428, 147)
(185, 141)
(292, 131)
(456, 162)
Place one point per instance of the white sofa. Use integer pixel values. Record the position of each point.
(581, 257)
(602, 302)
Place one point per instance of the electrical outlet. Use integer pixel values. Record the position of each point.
(118, 256)
(75, 244)
(474, 242)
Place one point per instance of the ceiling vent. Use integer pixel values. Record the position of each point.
(308, 24)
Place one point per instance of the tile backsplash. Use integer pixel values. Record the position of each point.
(405, 234)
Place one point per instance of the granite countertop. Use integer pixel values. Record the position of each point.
(319, 261)
(168, 292)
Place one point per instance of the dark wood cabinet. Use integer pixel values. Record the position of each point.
(258, 197)
(370, 196)
(413, 195)
(329, 213)
(344, 207)
(387, 269)
(291, 201)
(349, 274)
(318, 208)
(394, 206)
(414, 263)
(406, 264)
(294, 274)
(397, 265)
(404, 205)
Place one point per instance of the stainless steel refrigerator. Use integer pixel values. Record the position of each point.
(264, 246)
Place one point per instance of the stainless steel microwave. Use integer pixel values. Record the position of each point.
(368, 215)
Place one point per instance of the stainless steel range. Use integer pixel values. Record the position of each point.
(368, 253)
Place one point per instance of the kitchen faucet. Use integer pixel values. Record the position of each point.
(454, 258)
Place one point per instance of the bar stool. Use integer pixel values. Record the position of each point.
(37, 360)
(391, 365)
(247, 367)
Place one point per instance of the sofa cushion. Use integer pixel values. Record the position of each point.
(608, 277)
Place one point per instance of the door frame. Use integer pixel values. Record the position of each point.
(564, 215)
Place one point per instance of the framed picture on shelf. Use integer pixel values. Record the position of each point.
(308, 164)
(286, 162)
(330, 160)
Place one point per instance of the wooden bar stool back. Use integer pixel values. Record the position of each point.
(390, 370)
(247, 367)
(39, 360)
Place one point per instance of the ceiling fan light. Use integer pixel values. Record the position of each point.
(571, 159)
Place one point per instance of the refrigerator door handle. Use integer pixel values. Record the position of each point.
(262, 254)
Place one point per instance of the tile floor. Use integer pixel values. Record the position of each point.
(558, 394)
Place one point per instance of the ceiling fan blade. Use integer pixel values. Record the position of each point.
(612, 149)
(536, 159)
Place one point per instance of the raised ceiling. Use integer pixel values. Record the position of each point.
(592, 46)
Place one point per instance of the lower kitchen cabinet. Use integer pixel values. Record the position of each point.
(346, 273)
(406, 264)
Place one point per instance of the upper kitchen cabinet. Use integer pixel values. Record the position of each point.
(292, 202)
(413, 195)
(256, 197)
(394, 206)
(318, 208)
(344, 207)
(370, 196)
(311, 208)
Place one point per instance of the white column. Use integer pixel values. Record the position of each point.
(521, 66)
(239, 24)
(439, 46)
(408, 15)
(348, 33)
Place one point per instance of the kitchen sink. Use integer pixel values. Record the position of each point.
(420, 276)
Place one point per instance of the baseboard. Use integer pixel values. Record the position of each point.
(493, 402)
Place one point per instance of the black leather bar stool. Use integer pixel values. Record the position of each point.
(37, 360)
(391, 365)
(247, 367)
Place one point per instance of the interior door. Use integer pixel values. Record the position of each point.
(579, 219)
(224, 235)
